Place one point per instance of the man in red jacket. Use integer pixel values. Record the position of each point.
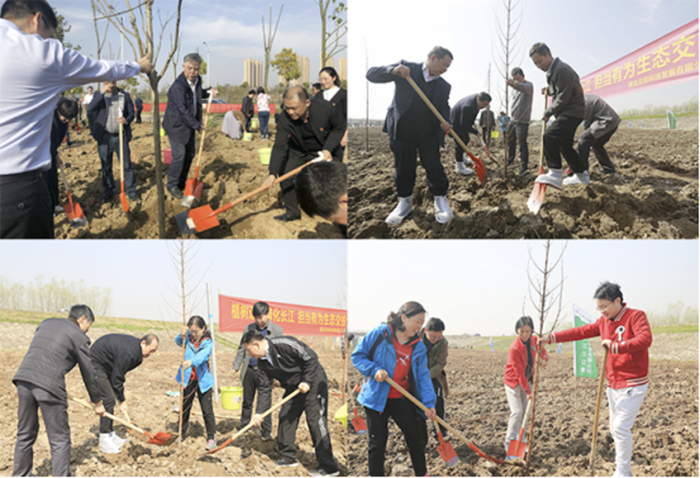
(626, 334)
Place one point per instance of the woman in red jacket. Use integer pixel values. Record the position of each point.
(518, 377)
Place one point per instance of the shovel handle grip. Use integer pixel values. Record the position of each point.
(597, 408)
(108, 415)
(204, 133)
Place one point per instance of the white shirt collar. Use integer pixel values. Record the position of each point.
(330, 93)
(426, 74)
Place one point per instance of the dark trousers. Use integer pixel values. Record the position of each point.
(25, 207)
(315, 404)
(205, 403)
(287, 186)
(247, 123)
(107, 146)
(250, 385)
(558, 140)
(108, 398)
(138, 116)
(51, 178)
(440, 403)
(517, 132)
(413, 139)
(183, 153)
(486, 135)
(264, 117)
(55, 414)
(411, 423)
(586, 141)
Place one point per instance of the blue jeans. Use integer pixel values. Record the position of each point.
(105, 147)
(264, 117)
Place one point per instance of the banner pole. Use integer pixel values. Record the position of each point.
(213, 344)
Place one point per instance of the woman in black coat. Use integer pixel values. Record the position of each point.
(333, 93)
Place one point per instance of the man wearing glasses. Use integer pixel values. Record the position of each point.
(41, 70)
(307, 127)
(626, 334)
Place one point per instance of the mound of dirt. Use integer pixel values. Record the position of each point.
(153, 410)
(665, 433)
(654, 193)
(229, 170)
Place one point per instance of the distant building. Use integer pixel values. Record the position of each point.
(343, 69)
(252, 72)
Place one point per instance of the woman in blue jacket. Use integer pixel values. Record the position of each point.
(197, 375)
(394, 349)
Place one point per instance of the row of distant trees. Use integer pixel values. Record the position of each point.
(690, 106)
(41, 295)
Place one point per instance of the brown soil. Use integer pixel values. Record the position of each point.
(151, 409)
(653, 195)
(665, 433)
(229, 170)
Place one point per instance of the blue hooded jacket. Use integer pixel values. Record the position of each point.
(375, 394)
(199, 359)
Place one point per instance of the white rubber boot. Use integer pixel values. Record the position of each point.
(461, 168)
(117, 439)
(400, 212)
(443, 212)
(107, 445)
(578, 178)
(553, 178)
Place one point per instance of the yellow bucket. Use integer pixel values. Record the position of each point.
(342, 415)
(264, 154)
(253, 123)
(231, 398)
(247, 136)
(494, 134)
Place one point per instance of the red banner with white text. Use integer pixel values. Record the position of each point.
(669, 60)
(235, 313)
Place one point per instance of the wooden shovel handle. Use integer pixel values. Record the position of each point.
(109, 415)
(597, 409)
(435, 112)
(204, 133)
(544, 129)
(527, 412)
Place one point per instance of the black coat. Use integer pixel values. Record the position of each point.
(58, 132)
(138, 103)
(339, 100)
(117, 354)
(97, 114)
(58, 345)
(405, 94)
(463, 114)
(182, 115)
(293, 362)
(247, 107)
(327, 124)
(565, 87)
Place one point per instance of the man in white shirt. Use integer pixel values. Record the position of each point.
(87, 98)
(41, 69)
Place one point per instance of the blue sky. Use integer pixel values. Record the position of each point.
(480, 286)
(587, 34)
(141, 275)
(231, 28)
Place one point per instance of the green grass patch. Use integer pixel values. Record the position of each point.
(674, 329)
(678, 115)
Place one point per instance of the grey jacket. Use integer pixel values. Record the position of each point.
(522, 102)
(600, 117)
(242, 357)
(58, 345)
(565, 87)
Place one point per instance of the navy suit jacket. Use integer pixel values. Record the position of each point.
(405, 94)
(97, 115)
(464, 112)
(182, 115)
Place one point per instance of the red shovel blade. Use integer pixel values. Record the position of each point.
(163, 439)
(517, 448)
(537, 197)
(193, 188)
(359, 423)
(122, 198)
(74, 212)
(447, 452)
(202, 218)
(479, 166)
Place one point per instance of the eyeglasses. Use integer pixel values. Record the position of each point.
(603, 307)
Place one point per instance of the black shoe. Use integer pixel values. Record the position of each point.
(266, 437)
(286, 217)
(322, 472)
(134, 197)
(175, 192)
(106, 196)
(604, 171)
(285, 462)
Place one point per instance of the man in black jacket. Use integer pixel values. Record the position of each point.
(58, 345)
(413, 128)
(462, 118)
(295, 366)
(138, 104)
(248, 109)
(183, 116)
(109, 109)
(306, 128)
(113, 355)
(569, 108)
(250, 374)
(64, 112)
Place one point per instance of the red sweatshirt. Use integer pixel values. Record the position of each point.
(517, 362)
(628, 358)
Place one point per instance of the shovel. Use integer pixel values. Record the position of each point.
(250, 425)
(447, 453)
(122, 195)
(486, 150)
(358, 423)
(73, 210)
(193, 188)
(518, 447)
(479, 166)
(449, 427)
(537, 197)
(597, 410)
(203, 218)
(160, 438)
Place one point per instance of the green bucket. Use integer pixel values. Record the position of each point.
(231, 398)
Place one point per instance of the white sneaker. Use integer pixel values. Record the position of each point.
(553, 178)
(58, 209)
(461, 168)
(467, 160)
(117, 439)
(578, 178)
(400, 212)
(443, 212)
(107, 445)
